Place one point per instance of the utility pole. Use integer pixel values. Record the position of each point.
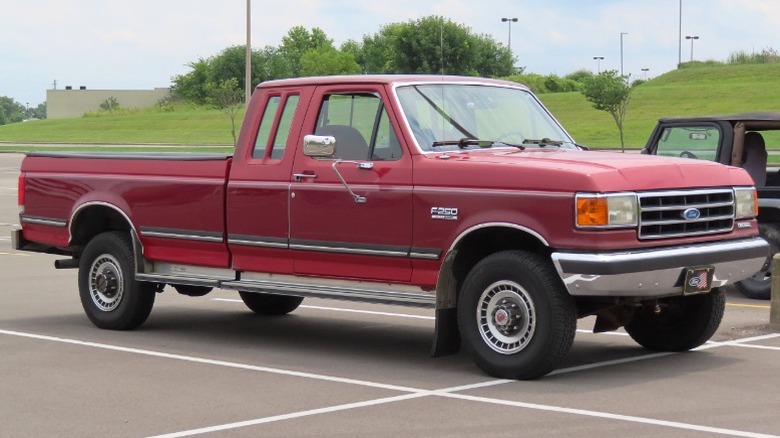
(248, 72)
(679, 40)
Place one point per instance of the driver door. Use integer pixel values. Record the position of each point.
(361, 227)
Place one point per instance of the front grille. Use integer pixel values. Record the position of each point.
(662, 214)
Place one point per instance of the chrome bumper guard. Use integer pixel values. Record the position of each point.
(657, 272)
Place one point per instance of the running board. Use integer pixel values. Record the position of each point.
(347, 293)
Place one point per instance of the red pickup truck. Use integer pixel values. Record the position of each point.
(459, 194)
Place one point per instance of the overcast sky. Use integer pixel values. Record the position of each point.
(141, 44)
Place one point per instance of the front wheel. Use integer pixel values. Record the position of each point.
(110, 296)
(678, 323)
(268, 304)
(515, 316)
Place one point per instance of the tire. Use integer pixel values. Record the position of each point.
(110, 296)
(678, 323)
(515, 317)
(759, 286)
(268, 304)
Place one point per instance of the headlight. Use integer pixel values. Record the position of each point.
(618, 210)
(745, 202)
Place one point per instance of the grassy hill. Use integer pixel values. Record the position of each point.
(699, 89)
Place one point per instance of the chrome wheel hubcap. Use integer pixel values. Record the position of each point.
(506, 317)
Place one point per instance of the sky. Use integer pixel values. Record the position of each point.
(142, 44)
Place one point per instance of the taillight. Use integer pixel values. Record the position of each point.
(20, 192)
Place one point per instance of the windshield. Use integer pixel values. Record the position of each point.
(443, 116)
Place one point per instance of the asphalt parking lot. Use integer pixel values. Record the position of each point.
(207, 366)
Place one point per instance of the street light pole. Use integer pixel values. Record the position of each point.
(248, 67)
(509, 21)
(598, 60)
(621, 51)
(692, 38)
(645, 70)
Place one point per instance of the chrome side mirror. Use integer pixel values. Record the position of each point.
(319, 146)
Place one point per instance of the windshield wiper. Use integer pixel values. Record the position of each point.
(463, 143)
(542, 142)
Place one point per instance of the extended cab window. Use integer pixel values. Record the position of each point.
(275, 142)
(360, 125)
(690, 142)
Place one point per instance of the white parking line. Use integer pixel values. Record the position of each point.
(291, 416)
(609, 416)
(412, 393)
(206, 361)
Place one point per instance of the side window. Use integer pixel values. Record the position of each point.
(264, 131)
(690, 142)
(360, 125)
(285, 125)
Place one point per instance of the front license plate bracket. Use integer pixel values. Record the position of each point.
(698, 280)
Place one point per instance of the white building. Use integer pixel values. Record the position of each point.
(70, 103)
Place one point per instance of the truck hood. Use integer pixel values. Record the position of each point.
(567, 170)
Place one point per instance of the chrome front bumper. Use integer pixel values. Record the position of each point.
(657, 272)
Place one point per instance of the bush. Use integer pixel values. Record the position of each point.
(545, 84)
(766, 56)
(581, 75)
(111, 104)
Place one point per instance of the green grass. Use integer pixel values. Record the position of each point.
(181, 125)
(695, 91)
(698, 89)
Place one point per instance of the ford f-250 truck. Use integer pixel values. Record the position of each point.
(459, 194)
(738, 140)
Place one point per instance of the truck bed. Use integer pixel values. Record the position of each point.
(143, 187)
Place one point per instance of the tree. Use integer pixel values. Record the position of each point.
(609, 92)
(38, 112)
(192, 86)
(325, 61)
(298, 41)
(11, 111)
(433, 45)
(228, 96)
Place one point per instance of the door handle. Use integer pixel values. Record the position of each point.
(300, 176)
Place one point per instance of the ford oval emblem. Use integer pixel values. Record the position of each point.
(691, 214)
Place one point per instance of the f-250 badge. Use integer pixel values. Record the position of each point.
(444, 213)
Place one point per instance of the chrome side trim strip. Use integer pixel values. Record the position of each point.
(345, 250)
(200, 236)
(335, 247)
(262, 242)
(38, 220)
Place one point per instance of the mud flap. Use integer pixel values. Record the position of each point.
(446, 337)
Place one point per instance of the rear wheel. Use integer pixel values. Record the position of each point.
(759, 286)
(515, 316)
(110, 296)
(678, 323)
(268, 304)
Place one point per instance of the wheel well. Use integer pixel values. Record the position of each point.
(456, 266)
(768, 214)
(94, 220)
(481, 243)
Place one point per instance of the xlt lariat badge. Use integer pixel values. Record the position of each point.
(444, 213)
